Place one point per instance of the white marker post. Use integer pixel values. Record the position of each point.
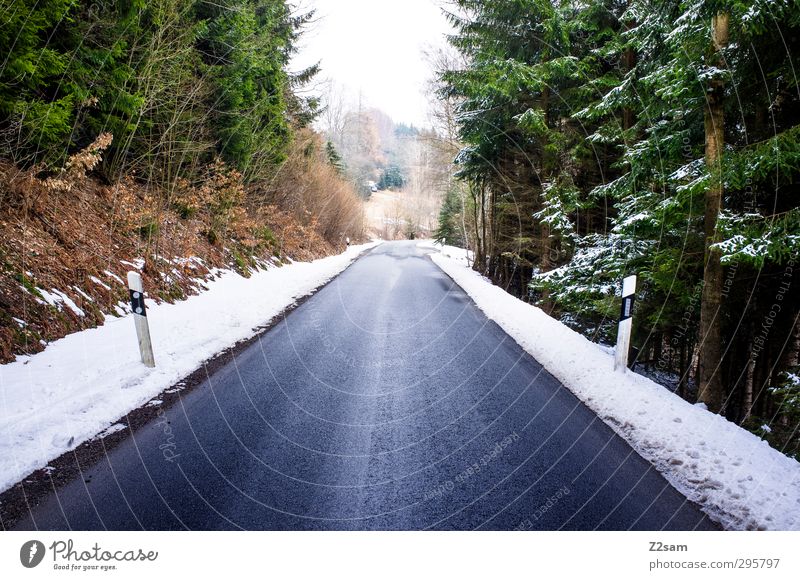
(625, 324)
(140, 318)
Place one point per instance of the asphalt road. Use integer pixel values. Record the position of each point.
(386, 401)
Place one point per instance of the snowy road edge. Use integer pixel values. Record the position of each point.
(735, 477)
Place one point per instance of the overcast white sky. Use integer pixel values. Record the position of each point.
(375, 46)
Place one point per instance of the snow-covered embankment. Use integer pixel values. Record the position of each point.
(737, 478)
(78, 386)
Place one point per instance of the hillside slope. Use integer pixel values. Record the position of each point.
(65, 248)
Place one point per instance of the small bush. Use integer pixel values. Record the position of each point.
(266, 235)
(27, 284)
(185, 211)
(242, 265)
(149, 230)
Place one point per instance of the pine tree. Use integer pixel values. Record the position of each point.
(334, 158)
(710, 389)
(629, 142)
(450, 231)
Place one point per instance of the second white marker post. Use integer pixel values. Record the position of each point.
(625, 324)
(140, 318)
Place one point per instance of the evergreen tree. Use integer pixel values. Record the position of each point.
(608, 137)
(450, 230)
(392, 178)
(174, 82)
(334, 158)
(245, 49)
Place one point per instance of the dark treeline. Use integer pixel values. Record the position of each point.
(175, 85)
(602, 138)
(174, 82)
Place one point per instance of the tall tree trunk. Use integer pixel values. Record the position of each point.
(683, 369)
(747, 404)
(491, 229)
(464, 231)
(477, 200)
(710, 388)
(546, 171)
(792, 357)
(628, 62)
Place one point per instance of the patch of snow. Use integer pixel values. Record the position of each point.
(100, 282)
(69, 303)
(58, 299)
(737, 478)
(188, 261)
(138, 263)
(113, 276)
(176, 389)
(54, 400)
(49, 298)
(116, 427)
(82, 293)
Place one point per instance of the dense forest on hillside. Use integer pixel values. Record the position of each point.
(602, 138)
(169, 131)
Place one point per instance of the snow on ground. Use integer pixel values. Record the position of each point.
(737, 478)
(81, 385)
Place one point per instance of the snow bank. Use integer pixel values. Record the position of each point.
(78, 386)
(737, 478)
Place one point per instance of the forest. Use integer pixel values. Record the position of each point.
(168, 130)
(603, 138)
(173, 82)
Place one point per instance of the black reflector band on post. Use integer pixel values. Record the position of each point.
(137, 303)
(626, 311)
